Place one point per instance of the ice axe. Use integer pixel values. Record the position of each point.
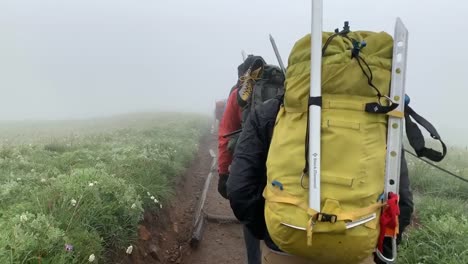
(278, 56)
(314, 146)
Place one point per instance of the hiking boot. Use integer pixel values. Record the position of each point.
(248, 80)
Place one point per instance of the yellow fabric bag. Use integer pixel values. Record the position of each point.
(353, 153)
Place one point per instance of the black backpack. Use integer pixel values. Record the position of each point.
(269, 86)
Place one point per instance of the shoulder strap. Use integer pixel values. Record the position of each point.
(416, 138)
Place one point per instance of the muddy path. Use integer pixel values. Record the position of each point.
(221, 242)
(164, 237)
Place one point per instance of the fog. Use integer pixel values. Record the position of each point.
(85, 58)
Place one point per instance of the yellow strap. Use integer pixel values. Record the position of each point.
(275, 195)
(397, 114)
(310, 227)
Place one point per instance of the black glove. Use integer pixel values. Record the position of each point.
(222, 185)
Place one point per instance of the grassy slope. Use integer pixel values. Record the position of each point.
(47, 166)
(87, 183)
(441, 234)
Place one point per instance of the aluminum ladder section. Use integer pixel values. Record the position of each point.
(395, 124)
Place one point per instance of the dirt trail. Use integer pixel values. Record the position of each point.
(164, 236)
(221, 243)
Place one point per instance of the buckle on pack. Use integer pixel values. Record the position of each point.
(327, 218)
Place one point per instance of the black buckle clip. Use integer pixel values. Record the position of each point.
(345, 31)
(327, 218)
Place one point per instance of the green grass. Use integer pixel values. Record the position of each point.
(441, 204)
(87, 183)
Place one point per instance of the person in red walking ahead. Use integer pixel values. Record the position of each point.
(230, 122)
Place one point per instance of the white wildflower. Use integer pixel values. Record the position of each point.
(149, 194)
(91, 258)
(73, 202)
(133, 206)
(43, 180)
(18, 179)
(91, 184)
(160, 206)
(23, 218)
(152, 198)
(129, 250)
(33, 170)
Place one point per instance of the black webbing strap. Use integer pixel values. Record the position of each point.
(376, 108)
(416, 138)
(316, 100)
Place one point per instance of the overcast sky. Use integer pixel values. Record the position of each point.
(81, 58)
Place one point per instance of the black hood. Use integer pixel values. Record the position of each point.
(243, 67)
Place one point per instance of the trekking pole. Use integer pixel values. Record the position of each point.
(235, 132)
(244, 56)
(278, 56)
(314, 155)
(437, 167)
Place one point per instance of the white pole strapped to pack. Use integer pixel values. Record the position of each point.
(315, 111)
(395, 124)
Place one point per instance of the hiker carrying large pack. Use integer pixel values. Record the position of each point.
(354, 78)
(231, 121)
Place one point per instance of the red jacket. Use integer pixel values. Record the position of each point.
(231, 121)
